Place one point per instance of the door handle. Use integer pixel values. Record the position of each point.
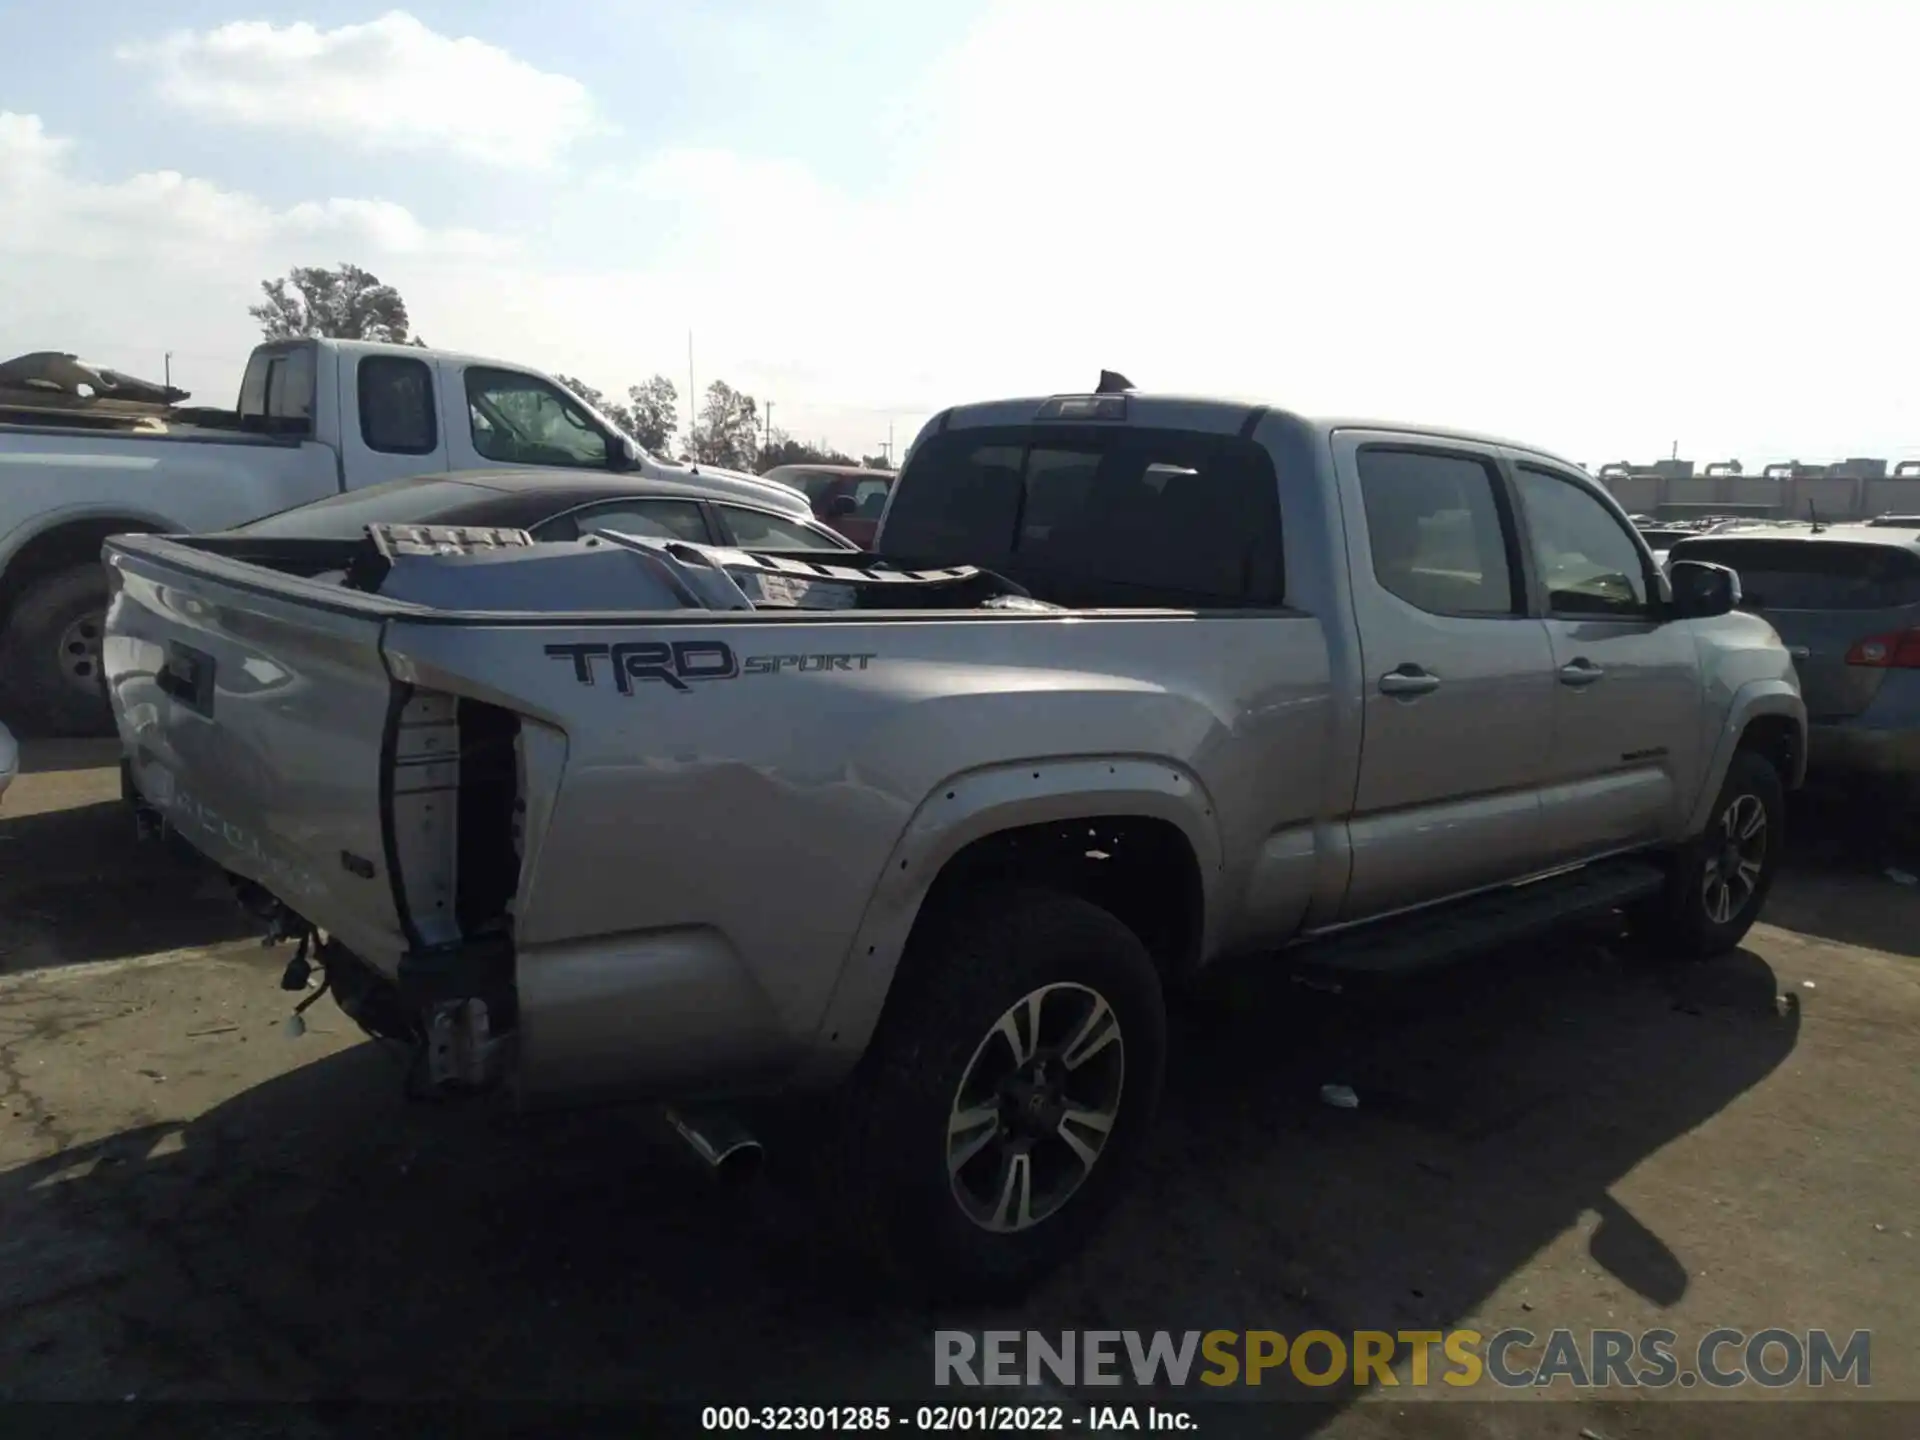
(187, 675)
(1408, 680)
(1580, 672)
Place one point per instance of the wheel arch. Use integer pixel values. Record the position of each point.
(1767, 716)
(1041, 821)
(66, 539)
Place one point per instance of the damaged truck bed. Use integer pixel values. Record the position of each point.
(1127, 684)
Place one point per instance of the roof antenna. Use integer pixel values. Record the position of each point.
(1112, 382)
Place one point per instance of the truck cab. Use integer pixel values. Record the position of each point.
(391, 411)
(314, 417)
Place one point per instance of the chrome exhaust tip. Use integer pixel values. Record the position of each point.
(729, 1151)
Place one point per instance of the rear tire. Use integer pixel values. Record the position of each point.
(1720, 878)
(929, 1176)
(51, 680)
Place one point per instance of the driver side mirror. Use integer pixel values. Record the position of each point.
(623, 455)
(841, 506)
(1702, 590)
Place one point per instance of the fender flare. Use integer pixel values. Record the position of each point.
(46, 524)
(1751, 701)
(971, 806)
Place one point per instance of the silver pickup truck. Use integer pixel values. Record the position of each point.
(1127, 685)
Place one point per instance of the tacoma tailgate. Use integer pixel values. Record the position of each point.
(257, 717)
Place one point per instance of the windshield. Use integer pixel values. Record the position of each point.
(345, 517)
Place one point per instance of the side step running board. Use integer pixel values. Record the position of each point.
(1423, 939)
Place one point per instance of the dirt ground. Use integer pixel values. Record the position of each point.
(194, 1205)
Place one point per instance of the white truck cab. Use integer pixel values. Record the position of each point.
(314, 417)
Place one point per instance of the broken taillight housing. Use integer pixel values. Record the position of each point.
(1898, 651)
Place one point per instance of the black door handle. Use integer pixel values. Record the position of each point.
(187, 675)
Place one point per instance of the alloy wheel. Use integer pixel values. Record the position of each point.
(1035, 1107)
(1735, 860)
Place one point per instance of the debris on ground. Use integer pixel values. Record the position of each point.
(1901, 877)
(1340, 1097)
(1806, 984)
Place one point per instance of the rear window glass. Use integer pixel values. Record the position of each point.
(276, 392)
(1096, 517)
(817, 485)
(1812, 574)
(1661, 539)
(400, 502)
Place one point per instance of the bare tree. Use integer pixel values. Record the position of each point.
(345, 303)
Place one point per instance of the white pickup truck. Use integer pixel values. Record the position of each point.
(314, 417)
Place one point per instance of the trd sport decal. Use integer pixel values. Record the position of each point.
(682, 664)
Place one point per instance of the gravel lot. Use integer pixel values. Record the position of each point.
(194, 1205)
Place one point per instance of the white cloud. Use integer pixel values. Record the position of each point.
(388, 84)
(162, 262)
(1596, 227)
(164, 213)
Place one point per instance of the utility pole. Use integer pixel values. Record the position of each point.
(767, 442)
(889, 444)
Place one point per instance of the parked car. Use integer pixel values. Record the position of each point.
(1846, 600)
(1349, 699)
(850, 498)
(552, 507)
(314, 417)
(9, 759)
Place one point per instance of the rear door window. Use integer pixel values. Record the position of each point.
(757, 530)
(662, 519)
(1097, 517)
(396, 406)
(1435, 532)
(1813, 574)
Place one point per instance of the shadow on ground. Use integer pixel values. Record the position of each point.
(1841, 880)
(44, 756)
(317, 1237)
(76, 885)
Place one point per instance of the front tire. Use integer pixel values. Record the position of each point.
(51, 681)
(1720, 879)
(1015, 1072)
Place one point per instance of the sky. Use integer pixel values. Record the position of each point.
(1605, 228)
